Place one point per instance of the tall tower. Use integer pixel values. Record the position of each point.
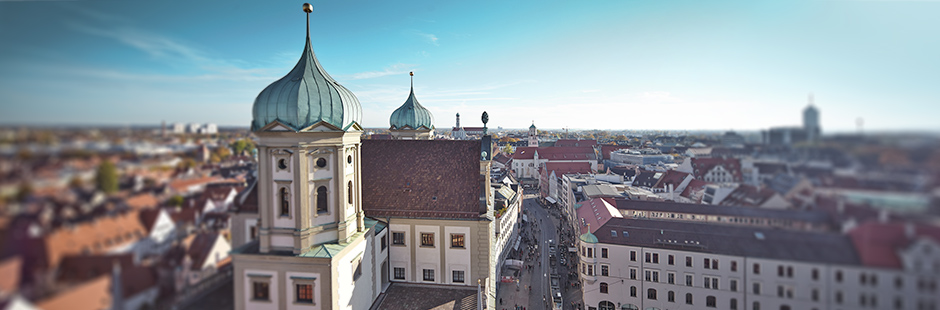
(533, 136)
(811, 121)
(412, 121)
(313, 242)
(458, 121)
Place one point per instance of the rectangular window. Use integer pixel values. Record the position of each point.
(688, 280)
(715, 264)
(649, 257)
(590, 252)
(715, 283)
(756, 289)
(655, 276)
(707, 264)
(260, 291)
(734, 266)
(305, 293)
(815, 274)
(603, 252)
(605, 270)
(649, 275)
(427, 239)
(399, 273)
(398, 238)
(632, 273)
(707, 282)
(756, 268)
(456, 241)
(428, 274)
(590, 270)
(671, 278)
(671, 259)
(655, 258)
(734, 285)
(384, 242)
(632, 256)
(458, 276)
(688, 261)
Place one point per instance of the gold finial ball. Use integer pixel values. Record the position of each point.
(412, 73)
(308, 7)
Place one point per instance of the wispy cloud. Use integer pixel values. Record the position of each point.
(391, 70)
(431, 38)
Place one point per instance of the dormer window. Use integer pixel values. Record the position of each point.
(285, 201)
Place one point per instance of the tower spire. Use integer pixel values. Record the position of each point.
(412, 73)
(308, 8)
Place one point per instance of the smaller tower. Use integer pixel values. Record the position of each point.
(533, 136)
(458, 121)
(412, 121)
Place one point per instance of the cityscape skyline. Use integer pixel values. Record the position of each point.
(699, 66)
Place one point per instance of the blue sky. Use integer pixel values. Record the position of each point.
(669, 64)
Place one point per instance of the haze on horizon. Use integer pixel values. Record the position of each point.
(670, 65)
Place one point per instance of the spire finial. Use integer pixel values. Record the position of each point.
(308, 8)
(412, 73)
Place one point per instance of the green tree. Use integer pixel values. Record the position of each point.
(508, 149)
(106, 178)
(176, 201)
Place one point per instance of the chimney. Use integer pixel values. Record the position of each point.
(910, 230)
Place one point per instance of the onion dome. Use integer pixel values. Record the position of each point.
(305, 96)
(589, 238)
(411, 114)
(533, 126)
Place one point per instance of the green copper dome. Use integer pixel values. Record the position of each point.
(589, 238)
(305, 96)
(411, 115)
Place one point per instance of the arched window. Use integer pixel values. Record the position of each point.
(603, 288)
(321, 200)
(285, 202)
(651, 294)
(710, 301)
(688, 298)
(633, 291)
(671, 296)
(630, 307)
(606, 305)
(349, 192)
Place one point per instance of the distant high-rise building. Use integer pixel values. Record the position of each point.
(811, 121)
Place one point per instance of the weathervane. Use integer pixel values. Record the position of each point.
(485, 118)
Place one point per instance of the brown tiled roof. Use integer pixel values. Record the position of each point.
(219, 193)
(134, 279)
(561, 168)
(702, 166)
(671, 177)
(247, 200)
(556, 153)
(96, 236)
(574, 142)
(148, 218)
(694, 185)
(92, 295)
(200, 248)
(432, 297)
(606, 149)
(421, 178)
(748, 196)
(142, 201)
(10, 268)
(878, 244)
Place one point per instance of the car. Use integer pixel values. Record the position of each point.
(562, 260)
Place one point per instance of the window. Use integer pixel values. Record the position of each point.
(838, 297)
(321, 162)
(651, 294)
(649, 257)
(815, 294)
(688, 261)
(349, 192)
(399, 273)
(613, 233)
(779, 271)
(671, 259)
(427, 239)
(428, 274)
(756, 289)
(321, 200)
(384, 242)
(649, 275)
(603, 252)
(605, 270)
(815, 274)
(756, 268)
(898, 282)
(603, 288)
(688, 298)
(458, 276)
(348, 159)
(733, 305)
(755, 306)
(710, 301)
(839, 276)
(590, 270)
(632, 256)
(734, 285)
(707, 263)
(789, 271)
(655, 258)
(779, 291)
(357, 271)
(282, 164)
(456, 241)
(633, 291)
(734, 266)
(632, 273)
(590, 252)
(655, 276)
(688, 280)
(398, 238)
(305, 293)
(671, 278)
(285, 202)
(260, 291)
(715, 264)
(671, 296)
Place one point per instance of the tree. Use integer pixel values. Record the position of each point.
(242, 145)
(106, 178)
(175, 201)
(223, 152)
(508, 149)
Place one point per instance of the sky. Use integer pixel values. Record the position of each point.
(626, 64)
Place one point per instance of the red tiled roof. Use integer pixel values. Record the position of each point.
(97, 236)
(671, 177)
(574, 143)
(694, 185)
(142, 201)
(555, 153)
(878, 243)
(596, 212)
(748, 196)
(92, 295)
(563, 167)
(607, 149)
(11, 269)
(219, 193)
(417, 178)
(247, 202)
(702, 166)
(200, 248)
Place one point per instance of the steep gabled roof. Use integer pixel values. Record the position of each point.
(701, 166)
(748, 196)
(417, 178)
(878, 244)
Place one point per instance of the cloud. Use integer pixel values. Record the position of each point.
(391, 70)
(431, 38)
(659, 97)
